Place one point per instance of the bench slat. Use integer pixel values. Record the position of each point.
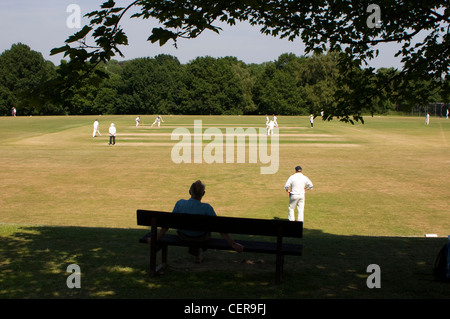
(222, 224)
(221, 244)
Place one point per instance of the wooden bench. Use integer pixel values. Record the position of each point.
(232, 225)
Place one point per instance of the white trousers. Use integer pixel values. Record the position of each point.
(299, 202)
(96, 131)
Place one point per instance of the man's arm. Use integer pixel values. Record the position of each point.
(159, 236)
(308, 184)
(238, 247)
(287, 185)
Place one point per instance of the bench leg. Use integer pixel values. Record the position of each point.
(154, 268)
(163, 259)
(280, 259)
(153, 248)
(164, 254)
(152, 261)
(279, 268)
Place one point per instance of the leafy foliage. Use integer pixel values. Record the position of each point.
(290, 85)
(21, 70)
(323, 26)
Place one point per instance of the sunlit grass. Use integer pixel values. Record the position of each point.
(373, 185)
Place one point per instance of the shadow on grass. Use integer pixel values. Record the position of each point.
(33, 263)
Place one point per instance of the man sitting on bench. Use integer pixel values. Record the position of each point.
(195, 206)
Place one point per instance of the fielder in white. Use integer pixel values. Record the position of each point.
(296, 186)
(158, 120)
(138, 120)
(96, 129)
(270, 128)
(274, 119)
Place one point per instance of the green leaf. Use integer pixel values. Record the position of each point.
(79, 35)
(112, 20)
(59, 50)
(108, 4)
(161, 35)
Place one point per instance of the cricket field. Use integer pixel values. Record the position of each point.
(381, 189)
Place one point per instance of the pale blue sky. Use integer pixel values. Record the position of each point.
(42, 26)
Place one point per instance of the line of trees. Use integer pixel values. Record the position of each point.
(290, 85)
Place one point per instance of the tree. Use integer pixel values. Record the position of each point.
(137, 77)
(76, 99)
(353, 29)
(108, 100)
(212, 88)
(318, 76)
(151, 85)
(167, 82)
(245, 76)
(21, 70)
(277, 88)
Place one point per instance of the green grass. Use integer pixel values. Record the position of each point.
(114, 265)
(69, 198)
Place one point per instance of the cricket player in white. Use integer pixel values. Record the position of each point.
(274, 119)
(96, 129)
(296, 186)
(158, 121)
(270, 128)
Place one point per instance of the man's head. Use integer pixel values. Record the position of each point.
(298, 169)
(197, 190)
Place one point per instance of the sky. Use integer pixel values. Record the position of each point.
(42, 25)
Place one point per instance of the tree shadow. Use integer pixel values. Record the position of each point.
(113, 264)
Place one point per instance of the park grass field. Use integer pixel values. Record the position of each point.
(67, 197)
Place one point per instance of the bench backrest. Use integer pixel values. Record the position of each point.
(221, 224)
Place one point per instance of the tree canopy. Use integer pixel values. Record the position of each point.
(289, 85)
(352, 29)
(21, 70)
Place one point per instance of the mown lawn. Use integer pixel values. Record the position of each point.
(69, 198)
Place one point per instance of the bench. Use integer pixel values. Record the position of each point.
(232, 225)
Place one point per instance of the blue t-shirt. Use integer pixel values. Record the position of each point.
(193, 206)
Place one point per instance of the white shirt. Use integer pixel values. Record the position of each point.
(298, 183)
(96, 124)
(112, 130)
